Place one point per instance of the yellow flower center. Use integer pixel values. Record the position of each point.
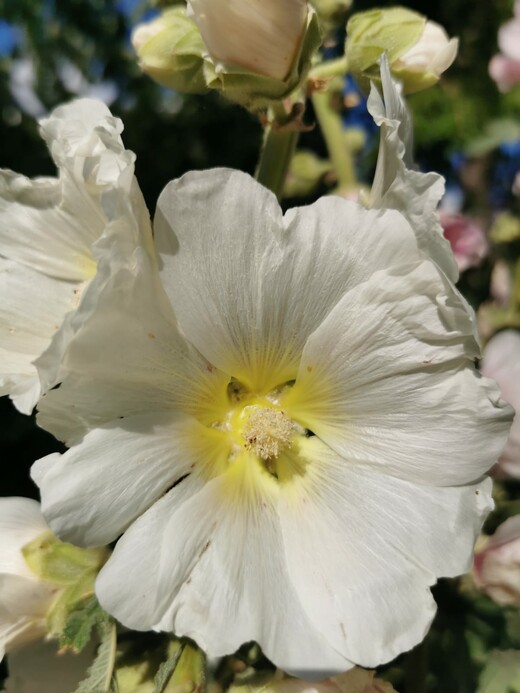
(267, 431)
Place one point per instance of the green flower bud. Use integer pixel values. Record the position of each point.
(170, 50)
(418, 51)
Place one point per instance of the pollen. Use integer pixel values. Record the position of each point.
(267, 431)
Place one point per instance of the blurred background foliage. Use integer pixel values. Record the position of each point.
(54, 50)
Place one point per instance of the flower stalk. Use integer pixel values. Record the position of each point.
(340, 155)
(277, 152)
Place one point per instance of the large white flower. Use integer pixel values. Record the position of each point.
(286, 426)
(49, 242)
(24, 599)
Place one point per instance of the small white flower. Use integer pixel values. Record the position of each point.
(24, 599)
(286, 426)
(50, 230)
(263, 36)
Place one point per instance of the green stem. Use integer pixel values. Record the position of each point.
(515, 294)
(277, 152)
(331, 127)
(329, 69)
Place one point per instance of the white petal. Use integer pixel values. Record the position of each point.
(32, 311)
(51, 224)
(127, 356)
(249, 286)
(94, 491)
(21, 521)
(48, 225)
(23, 606)
(396, 185)
(215, 572)
(261, 35)
(363, 548)
(388, 379)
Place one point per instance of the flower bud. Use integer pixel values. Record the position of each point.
(259, 51)
(41, 577)
(504, 67)
(263, 36)
(170, 50)
(24, 599)
(418, 51)
(497, 566)
(501, 362)
(467, 239)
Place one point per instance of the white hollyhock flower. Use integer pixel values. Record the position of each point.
(24, 599)
(49, 242)
(263, 36)
(287, 426)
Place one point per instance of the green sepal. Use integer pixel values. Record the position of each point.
(256, 91)
(174, 55)
(59, 563)
(370, 34)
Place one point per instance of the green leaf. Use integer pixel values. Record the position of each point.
(80, 622)
(100, 677)
(166, 670)
(501, 673)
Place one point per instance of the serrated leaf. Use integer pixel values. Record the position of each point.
(78, 628)
(501, 673)
(165, 671)
(68, 601)
(100, 677)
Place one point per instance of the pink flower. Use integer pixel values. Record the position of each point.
(504, 67)
(497, 566)
(502, 362)
(467, 239)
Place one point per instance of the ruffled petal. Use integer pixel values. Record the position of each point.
(21, 521)
(32, 310)
(216, 573)
(94, 491)
(396, 184)
(389, 380)
(371, 546)
(249, 286)
(126, 355)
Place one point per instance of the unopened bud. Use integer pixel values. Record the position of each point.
(258, 51)
(497, 566)
(171, 49)
(418, 51)
(263, 36)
